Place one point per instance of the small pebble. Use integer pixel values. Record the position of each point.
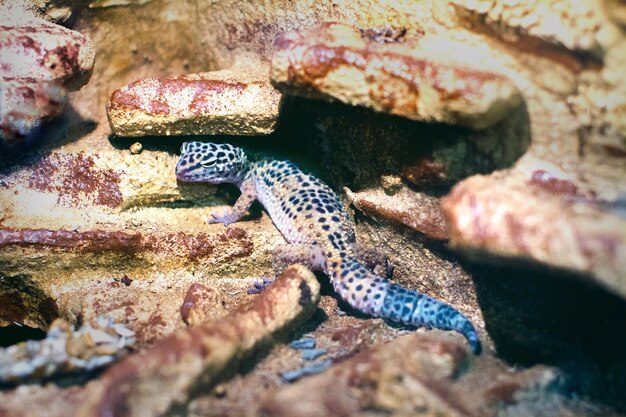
(312, 354)
(136, 148)
(316, 368)
(304, 343)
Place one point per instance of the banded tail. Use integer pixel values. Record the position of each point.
(378, 297)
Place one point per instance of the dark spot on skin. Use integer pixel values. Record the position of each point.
(321, 219)
(326, 227)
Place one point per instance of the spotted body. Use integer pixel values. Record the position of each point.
(320, 233)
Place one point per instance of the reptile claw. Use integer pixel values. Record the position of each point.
(259, 286)
(225, 218)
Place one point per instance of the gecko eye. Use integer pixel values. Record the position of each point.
(208, 164)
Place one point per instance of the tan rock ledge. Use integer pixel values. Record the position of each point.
(338, 62)
(213, 103)
(580, 26)
(542, 218)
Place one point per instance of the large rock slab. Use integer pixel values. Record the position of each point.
(215, 103)
(337, 61)
(541, 218)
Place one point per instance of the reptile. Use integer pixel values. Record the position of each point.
(319, 232)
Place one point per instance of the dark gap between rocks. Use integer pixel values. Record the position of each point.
(551, 317)
(14, 334)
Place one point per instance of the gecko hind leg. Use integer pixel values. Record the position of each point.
(308, 255)
(375, 259)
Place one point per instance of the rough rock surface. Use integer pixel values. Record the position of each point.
(575, 25)
(415, 373)
(26, 104)
(420, 212)
(542, 218)
(151, 382)
(39, 61)
(214, 103)
(65, 351)
(337, 61)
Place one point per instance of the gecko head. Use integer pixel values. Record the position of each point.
(211, 162)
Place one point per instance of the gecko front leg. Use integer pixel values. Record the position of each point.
(243, 203)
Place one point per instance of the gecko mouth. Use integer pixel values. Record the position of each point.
(182, 174)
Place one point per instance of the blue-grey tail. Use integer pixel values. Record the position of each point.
(415, 309)
(378, 297)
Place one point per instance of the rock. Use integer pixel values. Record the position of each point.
(419, 374)
(45, 51)
(38, 62)
(148, 306)
(26, 104)
(201, 304)
(579, 26)
(543, 218)
(616, 11)
(337, 61)
(418, 211)
(84, 187)
(151, 382)
(215, 103)
(65, 351)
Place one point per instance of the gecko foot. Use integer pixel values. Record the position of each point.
(227, 218)
(259, 286)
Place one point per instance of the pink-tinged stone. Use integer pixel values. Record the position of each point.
(338, 62)
(45, 51)
(539, 217)
(418, 211)
(39, 61)
(197, 104)
(25, 104)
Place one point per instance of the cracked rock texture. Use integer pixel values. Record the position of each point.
(95, 224)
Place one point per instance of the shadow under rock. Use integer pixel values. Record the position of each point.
(354, 146)
(556, 318)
